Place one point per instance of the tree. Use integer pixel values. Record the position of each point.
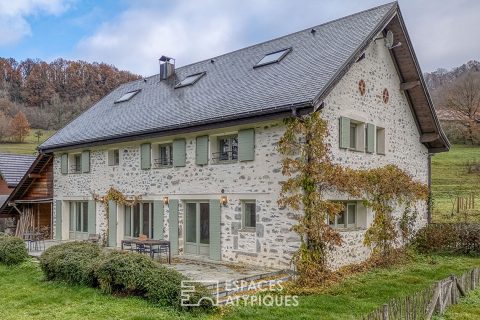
(3, 126)
(463, 102)
(19, 127)
(38, 134)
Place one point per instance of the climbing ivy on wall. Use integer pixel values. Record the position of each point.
(310, 173)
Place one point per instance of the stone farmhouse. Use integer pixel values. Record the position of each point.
(198, 143)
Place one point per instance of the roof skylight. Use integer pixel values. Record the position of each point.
(273, 57)
(127, 96)
(189, 80)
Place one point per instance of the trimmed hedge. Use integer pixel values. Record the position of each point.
(461, 238)
(124, 272)
(136, 274)
(12, 250)
(118, 272)
(72, 262)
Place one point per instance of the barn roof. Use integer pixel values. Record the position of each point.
(14, 166)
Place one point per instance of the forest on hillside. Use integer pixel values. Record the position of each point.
(456, 96)
(48, 95)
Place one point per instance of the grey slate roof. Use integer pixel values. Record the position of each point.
(231, 87)
(3, 198)
(14, 166)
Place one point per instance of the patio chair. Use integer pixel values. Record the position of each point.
(159, 250)
(93, 238)
(127, 245)
(141, 248)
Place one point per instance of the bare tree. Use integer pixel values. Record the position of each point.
(463, 102)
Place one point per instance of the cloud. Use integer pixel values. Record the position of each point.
(443, 32)
(191, 30)
(13, 16)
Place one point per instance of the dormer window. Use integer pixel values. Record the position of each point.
(127, 96)
(190, 80)
(273, 57)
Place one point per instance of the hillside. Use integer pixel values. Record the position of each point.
(455, 173)
(51, 94)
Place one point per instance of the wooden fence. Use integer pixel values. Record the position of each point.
(433, 300)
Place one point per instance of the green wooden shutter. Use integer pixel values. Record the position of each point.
(145, 156)
(370, 138)
(344, 133)
(112, 223)
(179, 152)
(246, 145)
(86, 161)
(173, 225)
(201, 150)
(215, 230)
(58, 220)
(157, 220)
(64, 163)
(92, 217)
(110, 157)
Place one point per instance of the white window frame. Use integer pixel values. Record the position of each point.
(359, 143)
(141, 213)
(345, 224)
(111, 153)
(244, 226)
(156, 155)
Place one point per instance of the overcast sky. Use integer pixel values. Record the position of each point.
(132, 35)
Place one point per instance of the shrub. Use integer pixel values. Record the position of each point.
(135, 274)
(124, 272)
(12, 250)
(71, 262)
(449, 238)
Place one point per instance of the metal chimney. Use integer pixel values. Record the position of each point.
(167, 67)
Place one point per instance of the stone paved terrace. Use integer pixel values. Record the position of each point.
(198, 269)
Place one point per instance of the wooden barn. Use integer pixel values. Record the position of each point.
(31, 200)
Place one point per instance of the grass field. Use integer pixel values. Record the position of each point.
(30, 144)
(450, 178)
(467, 309)
(25, 295)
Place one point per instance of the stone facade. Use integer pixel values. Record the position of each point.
(272, 242)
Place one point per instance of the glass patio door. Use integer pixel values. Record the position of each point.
(78, 226)
(197, 228)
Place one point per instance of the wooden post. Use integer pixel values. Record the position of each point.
(453, 289)
(407, 307)
(385, 312)
(472, 279)
(435, 300)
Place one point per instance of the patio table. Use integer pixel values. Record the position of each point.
(150, 243)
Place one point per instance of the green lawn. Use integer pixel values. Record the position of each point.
(450, 177)
(467, 309)
(361, 294)
(30, 144)
(25, 295)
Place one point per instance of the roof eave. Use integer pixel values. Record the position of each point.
(251, 117)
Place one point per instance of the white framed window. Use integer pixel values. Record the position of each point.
(357, 135)
(163, 155)
(75, 163)
(380, 137)
(347, 218)
(249, 214)
(226, 150)
(138, 220)
(114, 157)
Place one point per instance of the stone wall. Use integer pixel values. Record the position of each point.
(273, 242)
